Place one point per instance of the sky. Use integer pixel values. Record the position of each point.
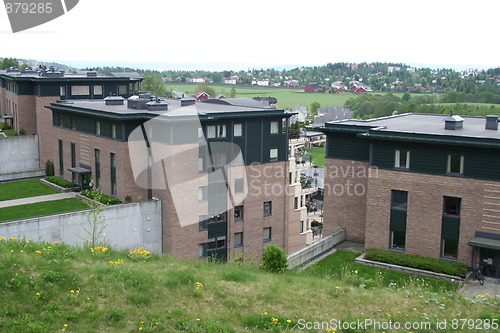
(223, 34)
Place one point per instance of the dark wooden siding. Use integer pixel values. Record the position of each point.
(347, 146)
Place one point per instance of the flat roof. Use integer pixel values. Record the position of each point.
(69, 75)
(174, 107)
(417, 123)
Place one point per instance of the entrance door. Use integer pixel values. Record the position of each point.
(490, 258)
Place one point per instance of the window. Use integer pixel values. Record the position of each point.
(273, 154)
(73, 161)
(239, 185)
(97, 154)
(113, 131)
(73, 123)
(112, 158)
(62, 90)
(455, 163)
(61, 159)
(450, 227)
(202, 248)
(203, 193)
(214, 244)
(296, 203)
(268, 209)
(238, 239)
(399, 207)
(80, 90)
(122, 89)
(216, 131)
(97, 90)
(238, 213)
(203, 224)
(266, 234)
(98, 127)
(275, 127)
(402, 159)
(238, 129)
(302, 226)
(201, 164)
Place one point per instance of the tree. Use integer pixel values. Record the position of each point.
(232, 94)
(406, 97)
(9, 62)
(155, 85)
(206, 88)
(313, 108)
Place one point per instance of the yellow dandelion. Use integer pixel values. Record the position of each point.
(38, 294)
(288, 321)
(65, 325)
(71, 291)
(414, 309)
(198, 319)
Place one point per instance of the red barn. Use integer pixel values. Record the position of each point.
(313, 87)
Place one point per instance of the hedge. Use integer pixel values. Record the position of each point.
(60, 182)
(417, 261)
(101, 197)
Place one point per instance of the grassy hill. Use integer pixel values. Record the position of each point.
(49, 287)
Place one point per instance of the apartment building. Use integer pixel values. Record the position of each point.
(417, 183)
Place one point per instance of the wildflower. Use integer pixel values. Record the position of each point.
(337, 287)
(13, 238)
(2, 239)
(198, 285)
(140, 328)
(141, 322)
(38, 252)
(414, 309)
(11, 251)
(157, 323)
(21, 251)
(275, 320)
(288, 321)
(28, 242)
(198, 319)
(71, 291)
(88, 298)
(65, 325)
(264, 313)
(38, 294)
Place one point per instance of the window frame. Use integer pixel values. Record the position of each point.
(449, 164)
(268, 204)
(397, 159)
(269, 231)
(240, 208)
(239, 132)
(240, 244)
(273, 158)
(274, 127)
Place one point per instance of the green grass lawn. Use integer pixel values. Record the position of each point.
(24, 189)
(7, 131)
(341, 265)
(318, 155)
(50, 287)
(41, 208)
(288, 98)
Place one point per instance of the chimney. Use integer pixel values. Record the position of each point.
(453, 122)
(492, 123)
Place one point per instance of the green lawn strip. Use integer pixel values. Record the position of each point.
(41, 208)
(318, 155)
(24, 189)
(341, 265)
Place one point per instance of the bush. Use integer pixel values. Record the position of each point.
(49, 168)
(100, 197)
(274, 259)
(316, 223)
(417, 261)
(60, 182)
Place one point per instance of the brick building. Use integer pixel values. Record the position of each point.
(220, 167)
(417, 183)
(25, 93)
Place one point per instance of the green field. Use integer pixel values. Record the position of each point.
(24, 189)
(288, 98)
(41, 208)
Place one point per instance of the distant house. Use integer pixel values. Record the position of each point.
(229, 80)
(361, 90)
(220, 96)
(198, 80)
(301, 111)
(313, 87)
(267, 101)
(292, 83)
(201, 96)
(264, 82)
(332, 113)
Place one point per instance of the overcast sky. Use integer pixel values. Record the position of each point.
(221, 34)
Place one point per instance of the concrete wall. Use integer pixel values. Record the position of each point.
(129, 226)
(19, 153)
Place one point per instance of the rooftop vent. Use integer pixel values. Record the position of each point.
(187, 101)
(158, 105)
(147, 96)
(137, 103)
(453, 122)
(92, 73)
(13, 69)
(114, 100)
(52, 72)
(492, 123)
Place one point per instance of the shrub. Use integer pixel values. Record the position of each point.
(417, 261)
(274, 259)
(128, 199)
(60, 182)
(100, 197)
(49, 168)
(316, 223)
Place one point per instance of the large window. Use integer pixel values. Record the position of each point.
(450, 227)
(273, 154)
(238, 213)
(80, 90)
(61, 159)
(238, 129)
(212, 245)
(399, 208)
(268, 208)
(98, 90)
(455, 163)
(112, 158)
(402, 159)
(97, 175)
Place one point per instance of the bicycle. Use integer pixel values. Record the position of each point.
(478, 275)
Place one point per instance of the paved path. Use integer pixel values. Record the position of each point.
(41, 198)
(473, 288)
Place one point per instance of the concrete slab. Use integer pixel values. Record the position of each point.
(350, 246)
(41, 198)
